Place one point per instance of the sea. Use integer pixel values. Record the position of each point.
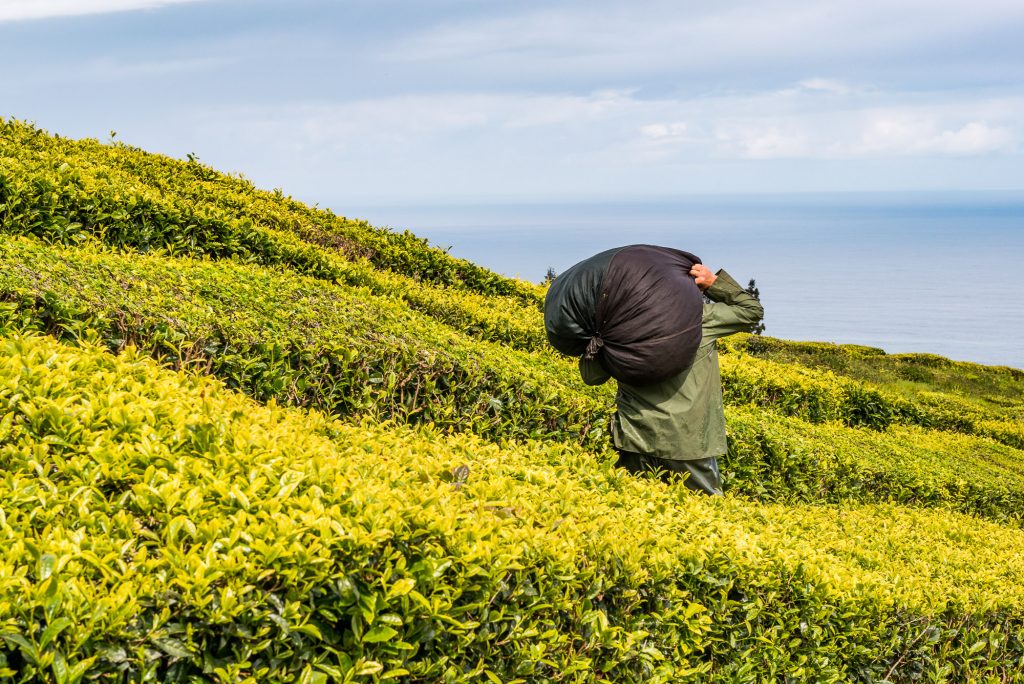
(941, 273)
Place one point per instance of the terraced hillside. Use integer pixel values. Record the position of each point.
(248, 440)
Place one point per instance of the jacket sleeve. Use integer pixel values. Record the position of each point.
(733, 310)
(593, 373)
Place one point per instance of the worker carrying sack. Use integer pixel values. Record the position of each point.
(636, 309)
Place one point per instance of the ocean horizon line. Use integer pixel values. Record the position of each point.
(942, 197)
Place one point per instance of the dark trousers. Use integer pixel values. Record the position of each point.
(700, 475)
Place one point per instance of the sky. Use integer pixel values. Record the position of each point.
(361, 101)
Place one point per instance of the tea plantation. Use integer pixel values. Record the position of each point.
(244, 439)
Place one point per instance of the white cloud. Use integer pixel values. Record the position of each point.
(762, 142)
(914, 134)
(418, 119)
(469, 144)
(614, 40)
(16, 10)
(663, 131)
(658, 142)
(974, 138)
(850, 123)
(537, 94)
(619, 127)
(793, 123)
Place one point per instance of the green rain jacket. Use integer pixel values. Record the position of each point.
(681, 418)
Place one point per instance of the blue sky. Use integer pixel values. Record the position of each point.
(360, 101)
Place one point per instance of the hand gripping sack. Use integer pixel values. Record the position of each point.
(636, 309)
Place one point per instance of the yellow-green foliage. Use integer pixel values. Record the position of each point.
(279, 335)
(350, 352)
(917, 388)
(821, 395)
(910, 373)
(68, 191)
(774, 457)
(159, 527)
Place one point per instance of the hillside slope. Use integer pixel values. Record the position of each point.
(871, 531)
(186, 531)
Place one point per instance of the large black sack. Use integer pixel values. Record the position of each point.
(636, 309)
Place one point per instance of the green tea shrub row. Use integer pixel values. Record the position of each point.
(193, 188)
(1001, 420)
(1006, 431)
(813, 395)
(299, 340)
(160, 528)
(133, 199)
(775, 458)
(915, 376)
(348, 352)
(142, 219)
(819, 396)
(494, 318)
(67, 206)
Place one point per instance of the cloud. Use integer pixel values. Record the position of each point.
(419, 119)
(19, 10)
(613, 41)
(486, 144)
(425, 97)
(622, 128)
(833, 121)
(913, 134)
(763, 142)
(664, 131)
(658, 142)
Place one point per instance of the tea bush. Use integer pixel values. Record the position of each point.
(65, 205)
(776, 458)
(65, 191)
(820, 396)
(158, 527)
(65, 186)
(954, 386)
(906, 372)
(278, 335)
(351, 353)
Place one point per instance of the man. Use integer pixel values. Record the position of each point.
(676, 427)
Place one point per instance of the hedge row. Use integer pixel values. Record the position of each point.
(905, 371)
(278, 335)
(191, 187)
(44, 207)
(917, 377)
(821, 395)
(776, 458)
(68, 205)
(351, 353)
(63, 190)
(160, 528)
